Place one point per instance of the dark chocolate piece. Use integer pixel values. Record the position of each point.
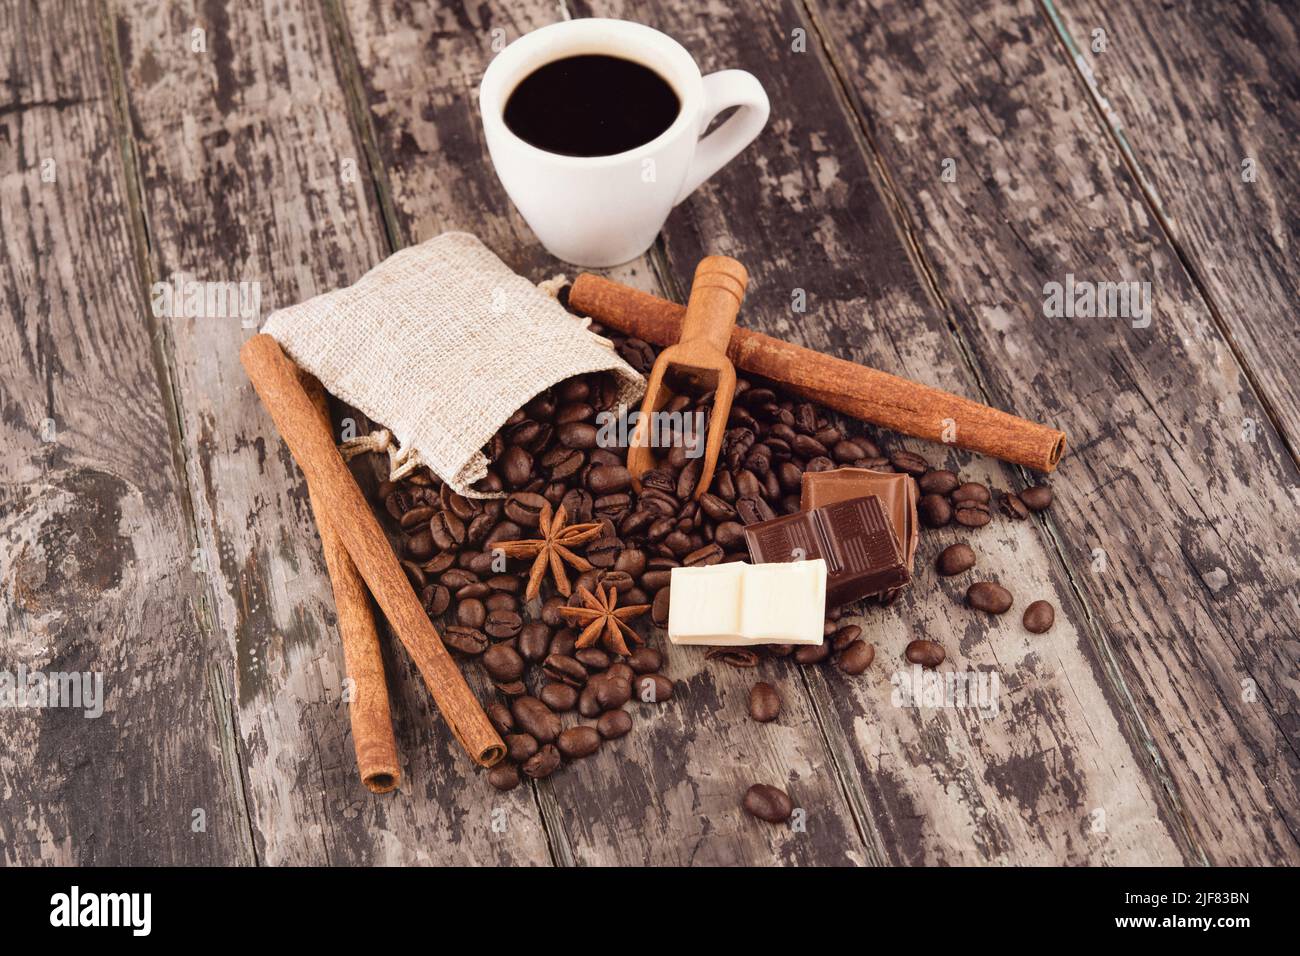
(855, 538)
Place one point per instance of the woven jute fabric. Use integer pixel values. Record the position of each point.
(441, 343)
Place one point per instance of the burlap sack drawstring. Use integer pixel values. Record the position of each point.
(438, 345)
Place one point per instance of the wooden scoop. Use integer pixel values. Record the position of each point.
(697, 364)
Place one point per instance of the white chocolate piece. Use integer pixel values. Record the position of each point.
(784, 603)
(737, 604)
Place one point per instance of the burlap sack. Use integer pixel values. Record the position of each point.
(441, 343)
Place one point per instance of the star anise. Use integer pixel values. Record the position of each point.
(604, 620)
(552, 550)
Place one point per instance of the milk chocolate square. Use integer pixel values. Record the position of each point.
(897, 494)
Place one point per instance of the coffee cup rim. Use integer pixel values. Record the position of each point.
(530, 52)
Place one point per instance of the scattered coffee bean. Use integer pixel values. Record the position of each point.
(764, 702)
(646, 660)
(855, 658)
(543, 763)
(845, 636)
(578, 742)
(1039, 617)
(1013, 507)
(938, 482)
(925, 653)
(812, 653)
(504, 776)
(972, 514)
(534, 717)
(566, 669)
(614, 723)
(955, 559)
(768, 803)
(734, 656)
(499, 714)
(653, 688)
(934, 511)
(1037, 498)
(519, 747)
(467, 640)
(503, 663)
(989, 597)
(971, 491)
(559, 697)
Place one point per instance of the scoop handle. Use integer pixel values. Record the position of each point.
(716, 294)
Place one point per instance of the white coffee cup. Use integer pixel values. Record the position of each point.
(604, 210)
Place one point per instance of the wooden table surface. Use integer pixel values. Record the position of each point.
(155, 530)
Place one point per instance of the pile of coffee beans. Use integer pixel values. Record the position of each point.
(550, 452)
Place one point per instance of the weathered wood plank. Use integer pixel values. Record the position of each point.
(670, 791)
(1203, 98)
(1175, 527)
(940, 785)
(250, 171)
(95, 566)
(809, 218)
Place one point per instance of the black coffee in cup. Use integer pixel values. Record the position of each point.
(591, 105)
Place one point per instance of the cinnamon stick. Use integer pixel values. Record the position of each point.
(372, 722)
(857, 390)
(339, 499)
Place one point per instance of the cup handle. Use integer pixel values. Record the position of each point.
(723, 90)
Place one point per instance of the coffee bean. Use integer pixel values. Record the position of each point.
(911, 463)
(660, 608)
(516, 467)
(767, 803)
(764, 702)
(564, 668)
(534, 717)
(519, 747)
(856, 657)
(925, 653)
(972, 514)
(971, 491)
(511, 689)
(1039, 617)
(812, 653)
(753, 509)
(551, 615)
(577, 435)
(645, 660)
(653, 688)
(588, 705)
(609, 479)
(611, 691)
(938, 482)
(503, 624)
(503, 663)
(730, 535)
(467, 640)
(603, 552)
(471, 613)
(564, 642)
(558, 697)
(708, 555)
(1013, 507)
(543, 763)
(845, 636)
(525, 508)
(447, 530)
(734, 656)
(614, 723)
(989, 597)
(592, 658)
(499, 714)
(578, 742)
(934, 511)
(478, 591)
(1037, 498)
(955, 559)
(503, 776)
(435, 599)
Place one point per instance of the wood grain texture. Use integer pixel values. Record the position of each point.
(938, 785)
(669, 792)
(95, 542)
(1176, 529)
(810, 219)
(250, 171)
(1194, 92)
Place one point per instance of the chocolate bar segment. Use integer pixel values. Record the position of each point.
(896, 491)
(855, 538)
